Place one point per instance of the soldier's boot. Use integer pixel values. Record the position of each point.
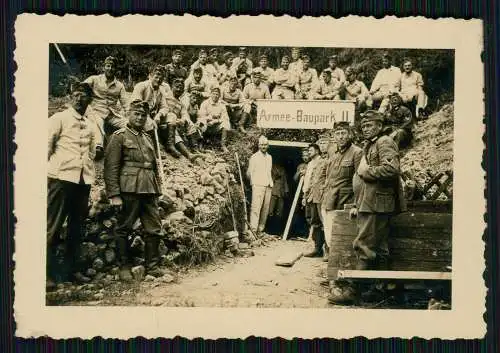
(193, 140)
(170, 143)
(152, 257)
(326, 253)
(242, 122)
(223, 139)
(318, 246)
(124, 266)
(344, 295)
(181, 147)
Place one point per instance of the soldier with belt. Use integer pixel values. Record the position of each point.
(378, 195)
(132, 184)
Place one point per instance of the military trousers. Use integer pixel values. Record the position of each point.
(66, 201)
(261, 198)
(314, 218)
(371, 242)
(276, 206)
(144, 207)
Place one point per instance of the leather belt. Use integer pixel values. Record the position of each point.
(143, 165)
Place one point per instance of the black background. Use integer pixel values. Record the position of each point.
(488, 10)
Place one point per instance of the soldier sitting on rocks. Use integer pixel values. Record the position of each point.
(133, 186)
(234, 100)
(399, 121)
(177, 126)
(213, 118)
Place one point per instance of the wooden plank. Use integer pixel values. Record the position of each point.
(288, 143)
(411, 275)
(422, 220)
(292, 209)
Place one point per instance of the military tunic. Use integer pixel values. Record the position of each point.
(378, 193)
(130, 172)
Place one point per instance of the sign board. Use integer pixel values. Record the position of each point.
(302, 114)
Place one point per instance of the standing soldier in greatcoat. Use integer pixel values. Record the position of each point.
(378, 195)
(133, 186)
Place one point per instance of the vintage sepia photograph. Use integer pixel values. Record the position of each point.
(241, 182)
(250, 176)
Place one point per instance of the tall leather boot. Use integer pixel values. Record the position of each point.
(181, 147)
(123, 260)
(242, 122)
(318, 245)
(193, 142)
(223, 139)
(152, 257)
(170, 143)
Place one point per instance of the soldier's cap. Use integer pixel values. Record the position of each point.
(178, 82)
(214, 51)
(81, 87)
(177, 52)
(333, 56)
(306, 57)
(202, 51)
(138, 105)
(349, 69)
(215, 88)
(263, 140)
(371, 115)
(263, 56)
(256, 71)
(295, 49)
(227, 55)
(242, 49)
(197, 69)
(285, 57)
(327, 71)
(386, 55)
(157, 68)
(341, 125)
(110, 60)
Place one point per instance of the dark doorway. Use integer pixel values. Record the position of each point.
(288, 155)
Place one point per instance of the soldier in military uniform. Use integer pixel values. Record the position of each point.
(176, 125)
(132, 184)
(399, 120)
(307, 80)
(378, 195)
(314, 180)
(175, 69)
(340, 169)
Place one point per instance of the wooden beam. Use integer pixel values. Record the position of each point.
(410, 275)
(288, 143)
(292, 209)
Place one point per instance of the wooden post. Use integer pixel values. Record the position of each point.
(292, 209)
(245, 227)
(159, 164)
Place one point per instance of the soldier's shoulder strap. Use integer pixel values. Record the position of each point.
(119, 131)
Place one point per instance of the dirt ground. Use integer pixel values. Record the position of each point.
(237, 282)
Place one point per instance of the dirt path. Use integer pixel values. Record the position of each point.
(242, 282)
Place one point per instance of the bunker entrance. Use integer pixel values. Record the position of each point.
(287, 156)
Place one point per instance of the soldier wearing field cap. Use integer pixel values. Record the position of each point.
(243, 66)
(133, 186)
(327, 88)
(225, 70)
(71, 153)
(175, 69)
(378, 195)
(213, 118)
(307, 80)
(343, 160)
(253, 91)
(337, 73)
(265, 70)
(284, 79)
(107, 92)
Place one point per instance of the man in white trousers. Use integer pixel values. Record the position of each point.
(259, 174)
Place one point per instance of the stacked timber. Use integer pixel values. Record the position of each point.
(419, 240)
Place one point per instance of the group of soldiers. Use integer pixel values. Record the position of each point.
(338, 173)
(179, 108)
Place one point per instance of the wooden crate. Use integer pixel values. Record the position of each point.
(418, 241)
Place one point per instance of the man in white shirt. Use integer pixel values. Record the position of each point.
(259, 174)
(384, 83)
(411, 87)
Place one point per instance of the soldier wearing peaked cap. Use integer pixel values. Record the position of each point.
(133, 186)
(378, 195)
